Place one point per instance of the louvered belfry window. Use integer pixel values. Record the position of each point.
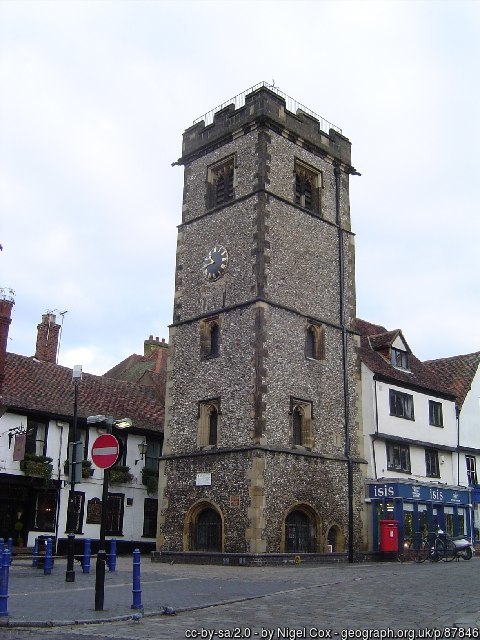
(307, 187)
(221, 182)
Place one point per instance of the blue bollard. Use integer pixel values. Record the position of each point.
(136, 591)
(35, 553)
(112, 556)
(10, 548)
(87, 552)
(48, 563)
(4, 570)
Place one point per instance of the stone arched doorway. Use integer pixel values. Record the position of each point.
(205, 529)
(300, 531)
(335, 539)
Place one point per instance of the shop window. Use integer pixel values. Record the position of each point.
(435, 413)
(220, 179)
(401, 405)
(399, 358)
(76, 502)
(432, 468)
(35, 443)
(449, 518)
(301, 423)
(210, 337)
(307, 182)
(114, 525)
(150, 508)
(407, 523)
(315, 342)
(471, 463)
(398, 457)
(45, 511)
(208, 423)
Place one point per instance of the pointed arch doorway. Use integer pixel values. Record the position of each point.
(205, 529)
(300, 531)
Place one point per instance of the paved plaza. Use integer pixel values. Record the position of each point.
(291, 601)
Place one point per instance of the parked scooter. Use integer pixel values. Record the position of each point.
(463, 548)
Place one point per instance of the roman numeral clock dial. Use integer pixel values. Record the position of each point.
(215, 263)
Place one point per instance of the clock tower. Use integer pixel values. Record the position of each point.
(261, 437)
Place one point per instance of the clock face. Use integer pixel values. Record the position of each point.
(215, 263)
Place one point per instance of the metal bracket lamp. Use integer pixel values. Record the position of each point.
(142, 450)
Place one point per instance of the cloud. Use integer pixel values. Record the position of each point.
(94, 98)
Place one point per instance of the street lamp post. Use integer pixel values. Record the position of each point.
(72, 467)
(102, 553)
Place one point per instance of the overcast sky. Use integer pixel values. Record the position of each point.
(95, 96)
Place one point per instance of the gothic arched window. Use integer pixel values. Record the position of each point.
(301, 423)
(208, 423)
(315, 342)
(308, 183)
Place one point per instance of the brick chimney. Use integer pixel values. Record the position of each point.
(47, 339)
(6, 305)
(151, 346)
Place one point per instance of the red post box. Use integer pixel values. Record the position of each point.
(389, 535)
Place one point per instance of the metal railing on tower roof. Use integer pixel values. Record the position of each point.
(292, 105)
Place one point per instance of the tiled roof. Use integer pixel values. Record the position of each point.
(43, 387)
(373, 337)
(149, 370)
(457, 372)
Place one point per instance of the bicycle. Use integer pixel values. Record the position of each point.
(442, 547)
(415, 548)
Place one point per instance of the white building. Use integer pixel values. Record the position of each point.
(462, 375)
(411, 433)
(36, 425)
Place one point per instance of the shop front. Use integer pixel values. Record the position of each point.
(419, 507)
(27, 504)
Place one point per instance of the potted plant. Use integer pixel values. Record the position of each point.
(150, 479)
(120, 474)
(87, 471)
(33, 465)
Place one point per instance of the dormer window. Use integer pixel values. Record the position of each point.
(399, 358)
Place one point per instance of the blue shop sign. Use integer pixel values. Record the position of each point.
(418, 492)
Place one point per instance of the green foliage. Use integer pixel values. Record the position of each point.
(150, 480)
(33, 465)
(120, 474)
(87, 471)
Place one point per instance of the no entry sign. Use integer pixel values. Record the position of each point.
(105, 451)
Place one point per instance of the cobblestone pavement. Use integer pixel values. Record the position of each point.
(268, 602)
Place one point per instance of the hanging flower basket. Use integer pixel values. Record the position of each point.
(150, 480)
(87, 471)
(39, 466)
(120, 475)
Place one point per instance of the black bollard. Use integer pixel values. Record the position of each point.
(100, 579)
(70, 573)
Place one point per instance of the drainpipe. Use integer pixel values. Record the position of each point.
(346, 407)
(376, 431)
(457, 415)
